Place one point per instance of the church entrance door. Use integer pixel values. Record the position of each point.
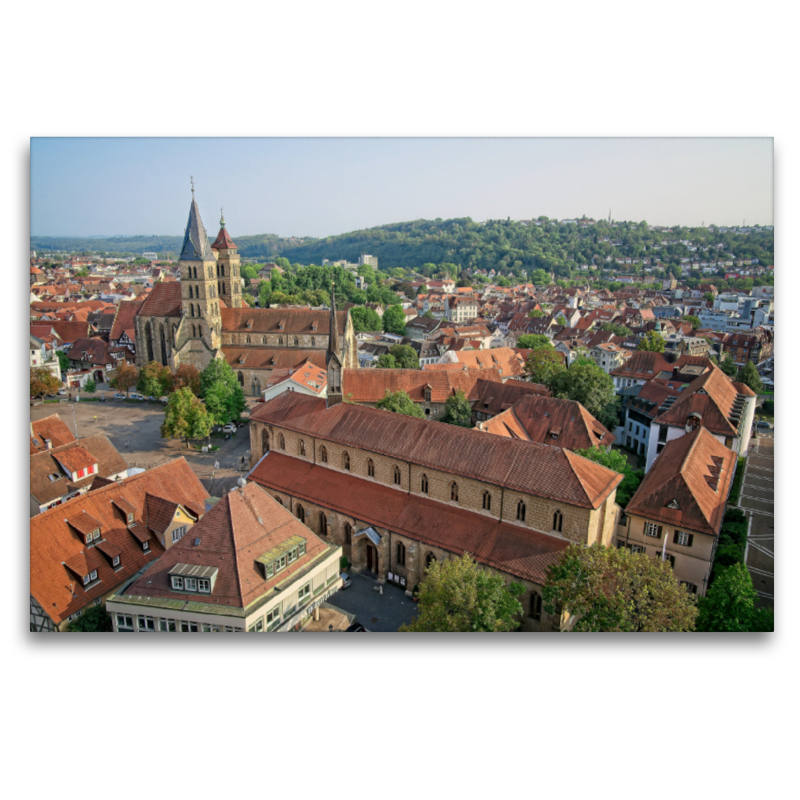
(369, 557)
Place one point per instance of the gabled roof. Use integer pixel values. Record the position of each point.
(642, 365)
(195, 241)
(52, 428)
(525, 466)
(550, 421)
(493, 398)
(163, 300)
(270, 357)
(284, 321)
(370, 385)
(243, 525)
(54, 544)
(124, 319)
(694, 470)
(47, 463)
(519, 551)
(223, 241)
(74, 458)
(505, 359)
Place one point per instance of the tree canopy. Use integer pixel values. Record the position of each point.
(186, 417)
(591, 387)
(365, 319)
(186, 375)
(223, 395)
(93, 620)
(400, 403)
(155, 380)
(613, 589)
(652, 341)
(458, 595)
(748, 375)
(533, 341)
(543, 365)
(729, 604)
(728, 366)
(400, 356)
(43, 382)
(457, 410)
(394, 320)
(126, 376)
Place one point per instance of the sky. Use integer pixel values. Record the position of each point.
(326, 186)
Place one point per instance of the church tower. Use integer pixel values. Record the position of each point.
(199, 334)
(229, 280)
(332, 357)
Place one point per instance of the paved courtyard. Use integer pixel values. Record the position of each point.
(133, 428)
(375, 611)
(757, 499)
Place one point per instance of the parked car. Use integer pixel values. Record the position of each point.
(229, 428)
(136, 396)
(346, 580)
(119, 395)
(62, 391)
(356, 627)
(762, 423)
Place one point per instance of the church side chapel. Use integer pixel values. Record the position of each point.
(203, 317)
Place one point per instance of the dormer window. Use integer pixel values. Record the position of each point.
(177, 582)
(130, 519)
(93, 536)
(146, 547)
(92, 576)
(115, 561)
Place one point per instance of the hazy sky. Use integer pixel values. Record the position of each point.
(322, 187)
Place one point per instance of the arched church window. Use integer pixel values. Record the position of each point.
(323, 524)
(282, 442)
(346, 461)
(348, 533)
(429, 559)
(371, 468)
(558, 521)
(240, 376)
(454, 491)
(487, 501)
(312, 341)
(301, 514)
(323, 454)
(296, 341)
(248, 340)
(401, 554)
(263, 340)
(423, 487)
(265, 440)
(521, 511)
(301, 447)
(397, 476)
(280, 340)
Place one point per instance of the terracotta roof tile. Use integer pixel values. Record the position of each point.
(271, 357)
(164, 300)
(53, 428)
(526, 466)
(268, 320)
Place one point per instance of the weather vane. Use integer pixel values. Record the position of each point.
(191, 180)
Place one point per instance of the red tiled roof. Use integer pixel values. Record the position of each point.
(223, 241)
(164, 300)
(525, 466)
(550, 421)
(505, 359)
(643, 365)
(124, 319)
(271, 357)
(70, 332)
(518, 551)
(242, 526)
(696, 471)
(53, 543)
(370, 385)
(52, 428)
(74, 458)
(268, 320)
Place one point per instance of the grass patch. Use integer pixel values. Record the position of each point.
(738, 479)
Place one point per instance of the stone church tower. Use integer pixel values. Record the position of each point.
(332, 359)
(199, 334)
(229, 280)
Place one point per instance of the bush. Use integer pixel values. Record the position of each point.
(768, 407)
(736, 532)
(93, 620)
(343, 564)
(728, 553)
(735, 515)
(736, 489)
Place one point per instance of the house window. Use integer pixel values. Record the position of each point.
(257, 627)
(296, 342)
(204, 585)
(521, 511)
(190, 584)
(130, 519)
(189, 627)
(401, 554)
(424, 484)
(280, 340)
(280, 564)
(487, 501)
(248, 339)
(178, 534)
(92, 576)
(348, 533)
(323, 454)
(690, 587)
(147, 624)
(301, 514)
(429, 559)
(654, 530)
(683, 538)
(177, 582)
(124, 622)
(304, 595)
(323, 524)
(397, 476)
(274, 615)
(666, 557)
(535, 606)
(454, 492)
(312, 341)
(346, 461)
(168, 625)
(282, 442)
(370, 468)
(301, 447)
(115, 561)
(558, 521)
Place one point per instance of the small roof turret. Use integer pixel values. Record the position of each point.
(195, 242)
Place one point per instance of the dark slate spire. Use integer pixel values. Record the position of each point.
(195, 242)
(333, 335)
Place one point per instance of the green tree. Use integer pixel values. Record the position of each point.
(616, 329)
(458, 595)
(652, 342)
(126, 376)
(614, 459)
(729, 604)
(709, 297)
(400, 356)
(613, 589)
(186, 417)
(537, 313)
(457, 410)
(224, 397)
(63, 361)
(592, 388)
(394, 320)
(727, 366)
(543, 365)
(90, 387)
(154, 379)
(43, 382)
(533, 341)
(365, 319)
(264, 293)
(400, 403)
(249, 273)
(694, 320)
(428, 314)
(748, 375)
(249, 299)
(93, 620)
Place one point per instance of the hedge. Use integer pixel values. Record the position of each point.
(736, 490)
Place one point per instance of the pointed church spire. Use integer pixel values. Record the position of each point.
(221, 219)
(195, 242)
(333, 335)
(334, 391)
